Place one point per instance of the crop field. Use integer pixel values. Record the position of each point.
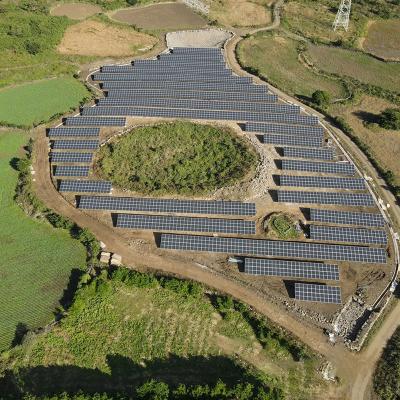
(37, 102)
(382, 39)
(357, 65)
(36, 260)
(180, 158)
(267, 53)
(118, 333)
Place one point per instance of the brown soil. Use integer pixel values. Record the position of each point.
(382, 39)
(160, 16)
(94, 38)
(75, 10)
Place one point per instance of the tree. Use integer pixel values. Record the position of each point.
(321, 98)
(153, 390)
(390, 119)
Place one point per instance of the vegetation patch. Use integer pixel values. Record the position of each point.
(125, 328)
(100, 39)
(176, 158)
(282, 226)
(37, 261)
(34, 103)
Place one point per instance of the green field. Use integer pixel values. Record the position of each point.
(122, 331)
(180, 158)
(37, 102)
(36, 260)
(283, 226)
(267, 53)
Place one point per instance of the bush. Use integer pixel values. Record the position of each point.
(390, 119)
(153, 390)
(32, 48)
(321, 98)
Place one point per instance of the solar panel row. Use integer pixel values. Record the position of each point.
(344, 168)
(212, 50)
(322, 182)
(95, 121)
(187, 224)
(347, 217)
(345, 234)
(345, 199)
(291, 269)
(71, 157)
(67, 132)
(156, 69)
(317, 293)
(104, 76)
(84, 186)
(273, 248)
(273, 128)
(216, 207)
(72, 170)
(75, 144)
(196, 65)
(325, 153)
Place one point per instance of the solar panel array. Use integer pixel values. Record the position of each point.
(295, 140)
(317, 293)
(75, 144)
(291, 269)
(187, 224)
(324, 153)
(322, 182)
(95, 121)
(84, 186)
(347, 217)
(273, 248)
(216, 207)
(71, 157)
(345, 199)
(64, 131)
(345, 234)
(272, 128)
(344, 168)
(72, 170)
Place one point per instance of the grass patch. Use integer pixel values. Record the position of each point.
(36, 260)
(35, 103)
(283, 226)
(178, 158)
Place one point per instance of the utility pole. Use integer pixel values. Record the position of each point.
(343, 15)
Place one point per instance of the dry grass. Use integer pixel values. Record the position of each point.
(241, 12)
(383, 39)
(94, 38)
(75, 10)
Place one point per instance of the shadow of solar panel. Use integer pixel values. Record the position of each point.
(291, 269)
(75, 144)
(344, 168)
(327, 153)
(71, 170)
(274, 128)
(317, 293)
(96, 121)
(216, 207)
(283, 140)
(67, 132)
(71, 157)
(84, 186)
(322, 182)
(273, 248)
(199, 104)
(351, 235)
(347, 217)
(345, 199)
(187, 224)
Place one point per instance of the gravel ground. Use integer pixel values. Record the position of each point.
(198, 38)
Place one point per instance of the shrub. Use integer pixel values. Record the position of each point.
(321, 98)
(32, 47)
(153, 390)
(390, 119)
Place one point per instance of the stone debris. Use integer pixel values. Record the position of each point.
(105, 257)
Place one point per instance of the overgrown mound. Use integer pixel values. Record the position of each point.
(178, 158)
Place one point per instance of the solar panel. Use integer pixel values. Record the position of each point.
(347, 217)
(96, 121)
(75, 144)
(273, 128)
(64, 131)
(71, 157)
(72, 170)
(322, 182)
(155, 70)
(104, 76)
(344, 168)
(125, 94)
(194, 65)
(291, 269)
(317, 293)
(200, 104)
(84, 186)
(325, 153)
(345, 234)
(217, 207)
(345, 199)
(195, 114)
(283, 140)
(293, 130)
(273, 248)
(187, 224)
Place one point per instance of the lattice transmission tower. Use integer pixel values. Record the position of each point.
(343, 15)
